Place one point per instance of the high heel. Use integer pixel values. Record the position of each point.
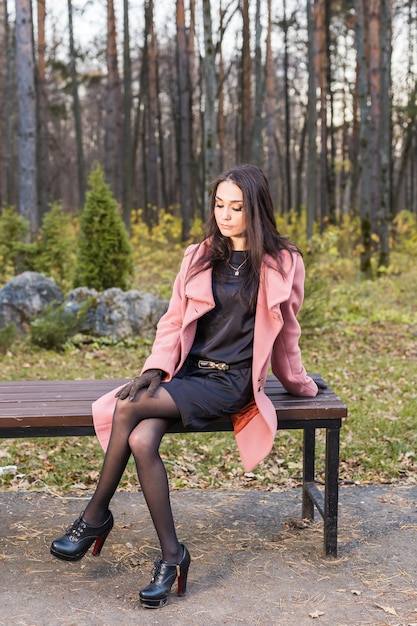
(79, 537)
(155, 595)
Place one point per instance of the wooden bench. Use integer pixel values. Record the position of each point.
(63, 408)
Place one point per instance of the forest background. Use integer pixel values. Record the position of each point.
(321, 94)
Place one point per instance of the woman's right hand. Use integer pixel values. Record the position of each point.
(150, 379)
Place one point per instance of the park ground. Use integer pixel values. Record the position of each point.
(255, 562)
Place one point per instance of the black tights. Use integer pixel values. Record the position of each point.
(138, 428)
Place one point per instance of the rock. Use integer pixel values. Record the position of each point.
(112, 313)
(24, 297)
(117, 314)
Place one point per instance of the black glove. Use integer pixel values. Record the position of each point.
(150, 379)
(321, 385)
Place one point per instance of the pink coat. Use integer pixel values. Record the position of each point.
(275, 344)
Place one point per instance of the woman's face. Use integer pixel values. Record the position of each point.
(230, 214)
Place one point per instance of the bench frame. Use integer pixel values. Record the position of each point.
(63, 408)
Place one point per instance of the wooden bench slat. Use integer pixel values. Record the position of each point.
(32, 403)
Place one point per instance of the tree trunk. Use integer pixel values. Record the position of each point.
(319, 15)
(184, 123)
(257, 151)
(372, 9)
(151, 116)
(28, 204)
(246, 129)
(288, 173)
(331, 162)
(42, 137)
(10, 108)
(364, 154)
(127, 196)
(311, 126)
(272, 155)
(77, 110)
(113, 160)
(210, 149)
(385, 136)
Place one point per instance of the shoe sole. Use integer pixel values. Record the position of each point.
(64, 557)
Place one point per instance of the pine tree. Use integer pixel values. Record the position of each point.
(104, 256)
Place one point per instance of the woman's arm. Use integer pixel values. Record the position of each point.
(165, 353)
(286, 355)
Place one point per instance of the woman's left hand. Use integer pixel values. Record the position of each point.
(150, 379)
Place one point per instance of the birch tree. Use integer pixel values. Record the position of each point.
(9, 109)
(42, 135)
(25, 69)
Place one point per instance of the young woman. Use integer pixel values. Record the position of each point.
(232, 314)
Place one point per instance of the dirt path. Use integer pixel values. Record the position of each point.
(252, 565)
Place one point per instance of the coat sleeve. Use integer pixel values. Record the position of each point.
(166, 349)
(286, 355)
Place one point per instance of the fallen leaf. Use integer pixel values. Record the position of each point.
(387, 609)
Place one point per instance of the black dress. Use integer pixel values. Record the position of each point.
(225, 334)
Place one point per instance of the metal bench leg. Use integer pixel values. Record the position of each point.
(309, 470)
(331, 491)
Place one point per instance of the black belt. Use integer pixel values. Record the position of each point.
(206, 364)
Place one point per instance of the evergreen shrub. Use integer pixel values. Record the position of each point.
(8, 336)
(13, 235)
(104, 254)
(54, 250)
(55, 326)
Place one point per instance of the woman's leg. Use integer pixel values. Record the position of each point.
(127, 415)
(144, 442)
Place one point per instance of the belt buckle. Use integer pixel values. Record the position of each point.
(212, 365)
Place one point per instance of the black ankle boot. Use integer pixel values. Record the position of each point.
(79, 537)
(155, 595)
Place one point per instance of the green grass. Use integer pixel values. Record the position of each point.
(364, 345)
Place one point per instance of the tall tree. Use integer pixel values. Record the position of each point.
(364, 133)
(320, 45)
(311, 125)
(374, 54)
(150, 117)
(246, 128)
(257, 151)
(25, 67)
(385, 213)
(184, 123)
(270, 111)
(113, 163)
(76, 108)
(288, 173)
(42, 135)
(210, 149)
(127, 195)
(9, 50)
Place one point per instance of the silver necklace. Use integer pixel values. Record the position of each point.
(237, 269)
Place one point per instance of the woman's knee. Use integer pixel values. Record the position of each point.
(144, 440)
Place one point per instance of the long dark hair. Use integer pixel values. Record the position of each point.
(262, 236)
